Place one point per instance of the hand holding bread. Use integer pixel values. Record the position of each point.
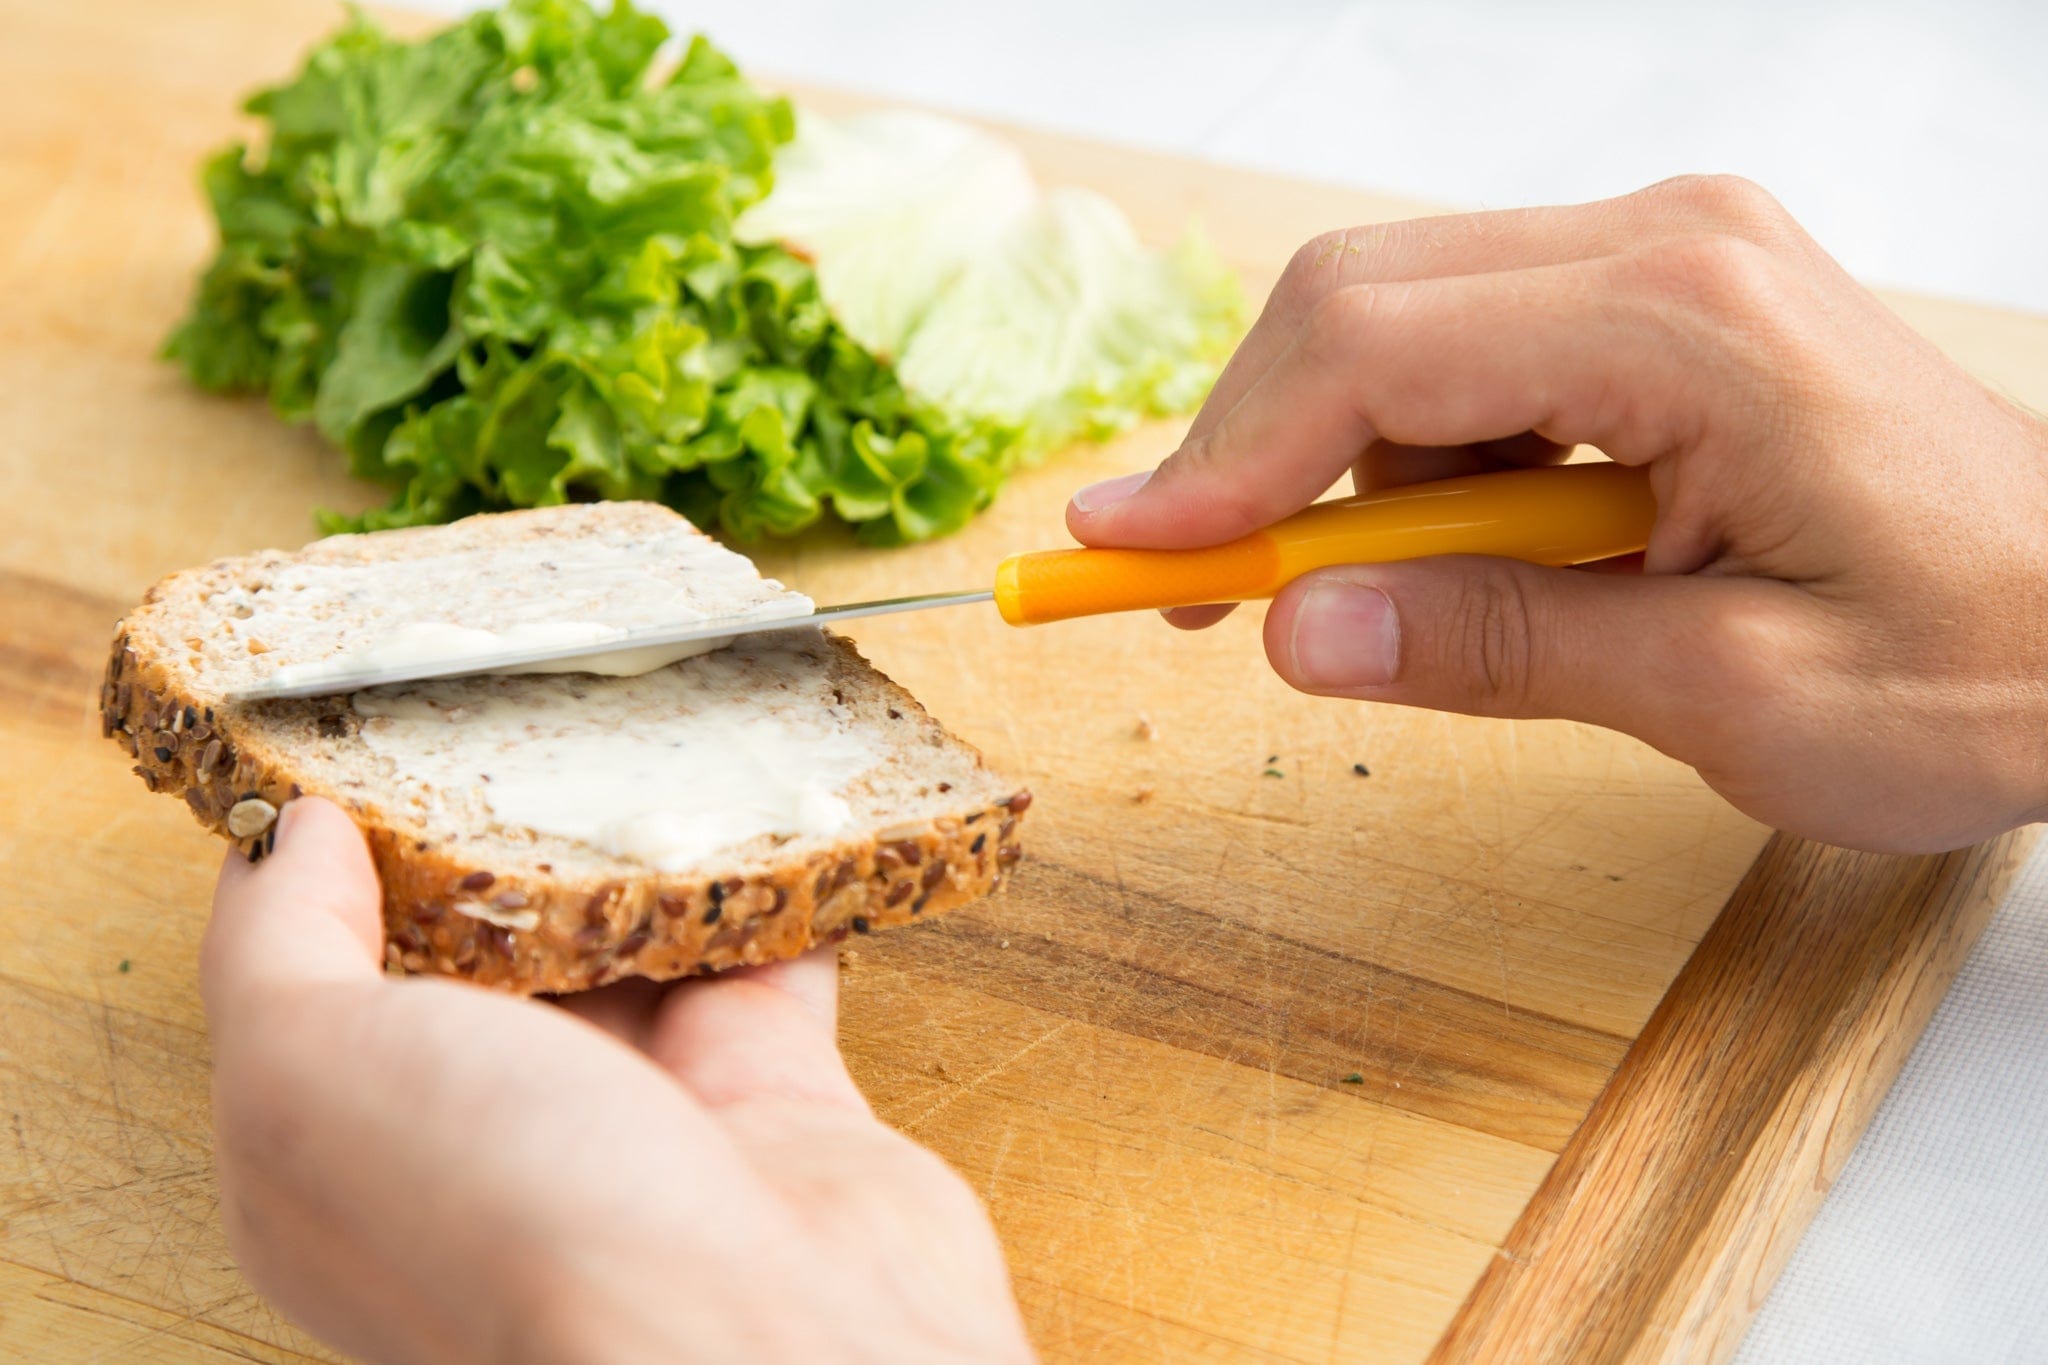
(421, 1170)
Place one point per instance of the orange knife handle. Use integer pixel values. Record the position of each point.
(1568, 514)
(1053, 585)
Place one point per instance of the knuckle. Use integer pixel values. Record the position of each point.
(1743, 658)
(1203, 469)
(1494, 637)
(1314, 265)
(1732, 203)
(1745, 316)
(1723, 275)
(1334, 331)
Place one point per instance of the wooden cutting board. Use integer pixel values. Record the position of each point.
(1523, 1045)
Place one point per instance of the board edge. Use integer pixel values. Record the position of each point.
(1668, 1214)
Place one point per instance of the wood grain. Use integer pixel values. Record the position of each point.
(1735, 1110)
(1141, 1057)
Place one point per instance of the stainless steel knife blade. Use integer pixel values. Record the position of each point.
(512, 660)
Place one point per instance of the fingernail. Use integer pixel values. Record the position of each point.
(1098, 496)
(1345, 635)
(287, 819)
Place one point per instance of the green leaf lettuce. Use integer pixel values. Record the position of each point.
(498, 267)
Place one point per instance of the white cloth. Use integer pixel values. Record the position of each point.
(1905, 134)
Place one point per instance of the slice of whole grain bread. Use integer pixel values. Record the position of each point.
(918, 823)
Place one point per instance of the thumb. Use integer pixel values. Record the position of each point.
(1655, 657)
(308, 913)
(758, 1032)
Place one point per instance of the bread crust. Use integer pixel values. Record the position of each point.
(531, 933)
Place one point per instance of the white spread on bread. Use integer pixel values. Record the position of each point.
(446, 644)
(666, 769)
(785, 731)
(535, 594)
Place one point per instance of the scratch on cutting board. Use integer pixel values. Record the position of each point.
(1123, 890)
(134, 1347)
(974, 1083)
(1344, 1287)
(144, 1210)
(1280, 818)
(963, 666)
(1223, 850)
(125, 1206)
(32, 1159)
(55, 211)
(1490, 869)
(995, 1166)
(1360, 1192)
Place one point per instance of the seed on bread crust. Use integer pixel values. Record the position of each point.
(250, 816)
(522, 920)
(901, 853)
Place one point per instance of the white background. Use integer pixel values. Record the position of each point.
(1912, 140)
(1910, 137)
